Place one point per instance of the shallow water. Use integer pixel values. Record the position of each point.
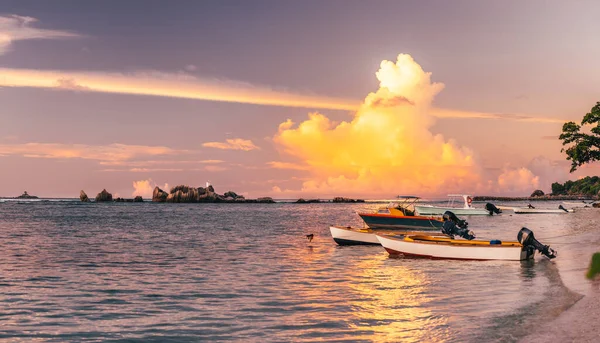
(130, 272)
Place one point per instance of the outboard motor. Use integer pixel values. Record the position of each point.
(455, 226)
(492, 209)
(526, 238)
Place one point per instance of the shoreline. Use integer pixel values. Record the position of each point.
(575, 324)
(536, 198)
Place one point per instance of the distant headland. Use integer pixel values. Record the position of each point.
(587, 188)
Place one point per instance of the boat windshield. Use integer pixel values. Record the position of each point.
(456, 198)
(406, 204)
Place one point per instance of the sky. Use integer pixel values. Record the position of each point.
(290, 99)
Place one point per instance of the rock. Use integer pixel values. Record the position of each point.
(201, 190)
(230, 194)
(596, 204)
(265, 200)
(26, 196)
(83, 197)
(138, 199)
(104, 196)
(183, 193)
(309, 201)
(537, 193)
(210, 188)
(342, 199)
(158, 195)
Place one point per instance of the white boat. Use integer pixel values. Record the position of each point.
(366, 236)
(459, 249)
(580, 204)
(532, 210)
(466, 210)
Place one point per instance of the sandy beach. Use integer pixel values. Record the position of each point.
(579, 323)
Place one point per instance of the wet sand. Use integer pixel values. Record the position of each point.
(579, 323)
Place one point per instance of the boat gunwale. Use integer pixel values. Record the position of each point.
(428, 218)
(452, 242)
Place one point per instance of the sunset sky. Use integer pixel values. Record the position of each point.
(293, 99)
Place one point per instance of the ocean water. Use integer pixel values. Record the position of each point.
(146, 272)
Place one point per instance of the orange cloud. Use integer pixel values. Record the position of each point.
(186, 86)
(232, 144)
(287, 165)
(515, 181)
(387, 147)
(112, 152)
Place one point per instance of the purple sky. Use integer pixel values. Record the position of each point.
(504, 58)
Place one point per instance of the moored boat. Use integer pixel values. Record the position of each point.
(532, 210)
(366, 236)
(449, 248)
(467, 208)
(401, 215)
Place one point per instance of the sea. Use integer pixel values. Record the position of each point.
(157, 272)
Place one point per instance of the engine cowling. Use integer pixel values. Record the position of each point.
(527, 239)
(455, 226)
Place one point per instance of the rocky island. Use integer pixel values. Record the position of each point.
(26, 196)
(187, 194)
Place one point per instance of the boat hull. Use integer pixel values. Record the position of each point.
(358, 236)
(443, 248)
(383, 221)
(352, 236)
(438, 211)
(542, 211)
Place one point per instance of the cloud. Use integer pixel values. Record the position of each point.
(383, 149)
(516, 181)
(15, 28)
(174, 85)
(106, 153)
(287, 165)
(68, 84)
(187, 86)
(232, 144)
(191, 67)
(146, 163)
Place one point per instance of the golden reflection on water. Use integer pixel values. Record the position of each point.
(392, 303)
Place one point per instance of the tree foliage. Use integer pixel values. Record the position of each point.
(589, 185)
(585, 147)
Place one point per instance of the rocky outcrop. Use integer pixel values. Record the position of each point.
(104, 196)
(138, 199)
(342, 199)
(158, 195)
(83, 197)
(537, 193)
(187, 194)
(26, 196)
(309, 201)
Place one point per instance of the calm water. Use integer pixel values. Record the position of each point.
(75, 272)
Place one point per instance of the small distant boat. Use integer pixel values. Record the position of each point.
(458, 249)
(581, 204)
(532, 210)
(466, 210)
(401, 215)
(366, 236)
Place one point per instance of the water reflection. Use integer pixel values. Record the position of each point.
(391, 303)
(96, 272)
